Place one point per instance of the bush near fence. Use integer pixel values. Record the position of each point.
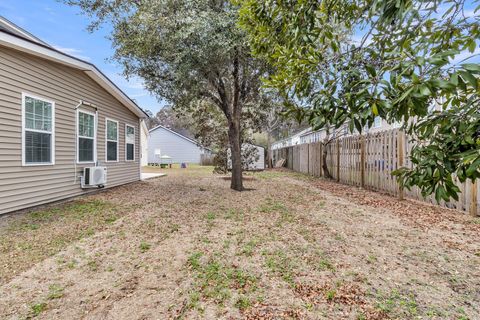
(368, 161)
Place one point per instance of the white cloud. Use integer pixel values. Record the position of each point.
(49, 10)
(134, 83)
(73, 52)
(139, 95)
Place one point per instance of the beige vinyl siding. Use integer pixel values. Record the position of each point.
(25, 186)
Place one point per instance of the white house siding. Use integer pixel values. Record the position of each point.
(144, 141)
(181, 150)
(26, 186)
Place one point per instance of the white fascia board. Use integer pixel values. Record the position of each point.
(19, 44)
(105, 83)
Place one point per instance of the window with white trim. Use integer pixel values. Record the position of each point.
(111, 144)
(129, 143)
(377, 123)
(38, 131)
(86, 136)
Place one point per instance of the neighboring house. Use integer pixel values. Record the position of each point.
(181, 149)
(144, 134)
(59, 115)
(292, 140)
(310, 136)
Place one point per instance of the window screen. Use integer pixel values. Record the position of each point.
(38, 131)
(86, 137)
(112, 140)
(130, 143)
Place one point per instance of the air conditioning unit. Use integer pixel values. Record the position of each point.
(94, 177)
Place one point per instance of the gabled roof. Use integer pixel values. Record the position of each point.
(10, 27)
(14, 37)
(178, 134)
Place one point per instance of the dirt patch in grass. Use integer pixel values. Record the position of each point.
(295, 248)
(28, 238)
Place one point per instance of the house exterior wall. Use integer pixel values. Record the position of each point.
(319, 136)
(144, 141)
(170, 144)
(26, 186)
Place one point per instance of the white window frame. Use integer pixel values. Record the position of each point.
(52, 133)
(380, 122)
(134, 138)
(109, 140)
(94, 136)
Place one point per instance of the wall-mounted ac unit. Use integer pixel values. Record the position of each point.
(94, 177)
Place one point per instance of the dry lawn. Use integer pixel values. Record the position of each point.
(184, 246)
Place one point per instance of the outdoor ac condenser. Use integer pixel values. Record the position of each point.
(94, 177)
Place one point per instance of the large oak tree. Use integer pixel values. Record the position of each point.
(186, 51)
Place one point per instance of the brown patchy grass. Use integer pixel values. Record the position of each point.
(28, 238)
(184, 246)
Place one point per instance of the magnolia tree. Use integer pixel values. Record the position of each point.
(187, 52)
(345, 62)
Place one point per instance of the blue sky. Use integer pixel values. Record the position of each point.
(65, 28)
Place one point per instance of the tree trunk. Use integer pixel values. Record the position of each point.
(269, 150)
(326, 173)
(235, 154)
(325, 144)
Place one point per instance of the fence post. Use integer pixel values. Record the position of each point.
(473, 199)
(362, 161)
(338, 160)
(400, 141)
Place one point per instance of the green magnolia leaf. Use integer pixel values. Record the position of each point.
(371, 70)
(471, 67)
(468, 77)
(472, 46)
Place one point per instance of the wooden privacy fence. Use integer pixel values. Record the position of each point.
(368, 161)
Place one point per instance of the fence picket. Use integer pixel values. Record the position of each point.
(368, 161)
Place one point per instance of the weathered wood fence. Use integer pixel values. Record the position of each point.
(368, 161)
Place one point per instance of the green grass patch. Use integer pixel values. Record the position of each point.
(219, 281)
(272, 206)
(210, 216)
(144, 246)
(280, 264)
(268, 175)
(234, 214)
(248, 248)
(37, 308)
(398, 304)
(325, 264)
(55, 291)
